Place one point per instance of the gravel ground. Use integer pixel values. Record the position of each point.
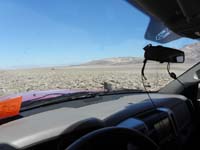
(16, 81)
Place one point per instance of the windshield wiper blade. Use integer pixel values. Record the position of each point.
(42, 101)
(123, 91)
(54, 95)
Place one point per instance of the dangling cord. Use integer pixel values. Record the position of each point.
(143, 80)
(143, 68)
(173, 75)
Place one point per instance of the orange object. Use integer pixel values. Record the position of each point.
(10, 107)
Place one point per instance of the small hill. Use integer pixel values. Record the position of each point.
(115, 61)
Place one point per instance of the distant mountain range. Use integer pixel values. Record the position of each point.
(115, 61)
(192, 55)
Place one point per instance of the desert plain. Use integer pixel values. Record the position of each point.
(85, 78)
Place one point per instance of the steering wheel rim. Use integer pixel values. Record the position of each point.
(111, 138)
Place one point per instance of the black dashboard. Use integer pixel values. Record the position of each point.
(168, 122)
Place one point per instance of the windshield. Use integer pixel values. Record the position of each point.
(67, 44)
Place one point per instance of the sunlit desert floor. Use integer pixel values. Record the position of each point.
(85, 77)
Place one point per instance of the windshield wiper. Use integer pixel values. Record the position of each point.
(61, 97)
(123, 91)
(42, 101)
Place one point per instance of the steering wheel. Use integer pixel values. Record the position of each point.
(114, 138)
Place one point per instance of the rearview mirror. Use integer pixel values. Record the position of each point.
(163, 54)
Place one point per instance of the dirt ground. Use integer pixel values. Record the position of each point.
(87, 77)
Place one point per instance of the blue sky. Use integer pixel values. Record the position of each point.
(59, 32)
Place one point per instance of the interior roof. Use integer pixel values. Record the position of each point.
(181, 16)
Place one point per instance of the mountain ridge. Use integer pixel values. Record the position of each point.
(192, 55)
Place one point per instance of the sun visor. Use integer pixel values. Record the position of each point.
(158, 32)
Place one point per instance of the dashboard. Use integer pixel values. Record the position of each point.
(166, 121)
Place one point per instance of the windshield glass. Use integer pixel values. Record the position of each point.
(68, 44)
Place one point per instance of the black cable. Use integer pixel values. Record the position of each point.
(144, 78)
(173, 75)
(143, 68)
